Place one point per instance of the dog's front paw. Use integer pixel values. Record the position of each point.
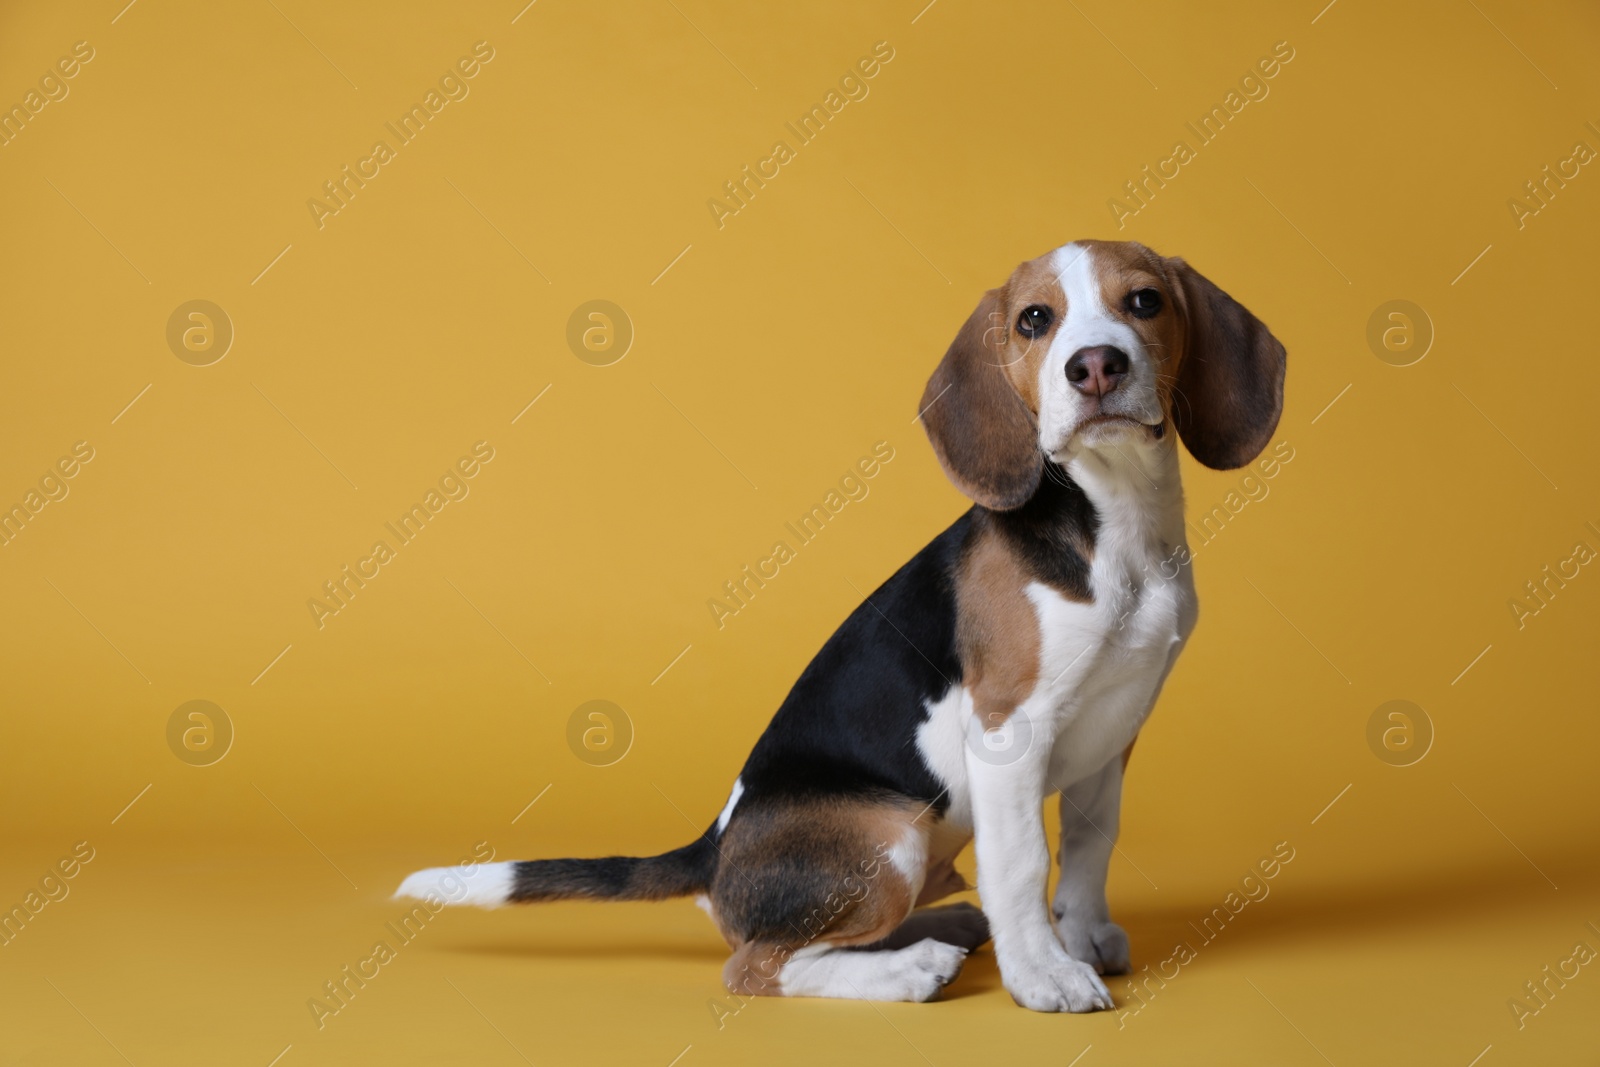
(1056, 983)
(1102, 945)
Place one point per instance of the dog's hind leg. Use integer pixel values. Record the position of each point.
(914, 973)
(962, 925)
(810, 891)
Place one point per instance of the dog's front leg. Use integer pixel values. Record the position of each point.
(1089, 816)
(1013, 872)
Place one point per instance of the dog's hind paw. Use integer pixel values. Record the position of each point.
(929, 966)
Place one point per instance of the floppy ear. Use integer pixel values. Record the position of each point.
(982, 431)
(1230, 384)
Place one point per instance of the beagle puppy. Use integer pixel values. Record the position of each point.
(1015, 657)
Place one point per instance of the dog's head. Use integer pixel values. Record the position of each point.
(1094, 346)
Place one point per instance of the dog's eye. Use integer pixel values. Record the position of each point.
(1034, 320)
(1144, 303)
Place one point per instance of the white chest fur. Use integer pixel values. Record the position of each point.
(1102, 662)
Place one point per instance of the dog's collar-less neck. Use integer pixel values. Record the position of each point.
(1144, 486)
(1058, 529)
(1141, 471)
(1054, 532)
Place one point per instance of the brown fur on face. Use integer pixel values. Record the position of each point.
(1219, 371)
(981, 405)
(1120, 267)
(1031, 283)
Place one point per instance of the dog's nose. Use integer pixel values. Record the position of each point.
(1098, 370)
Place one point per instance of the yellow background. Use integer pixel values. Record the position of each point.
(773, 353)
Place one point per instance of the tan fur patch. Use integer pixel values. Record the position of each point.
(997, 629)
(753, 969)
(942, 880)
(1033, 282)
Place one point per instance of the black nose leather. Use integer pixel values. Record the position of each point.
(1097, 371)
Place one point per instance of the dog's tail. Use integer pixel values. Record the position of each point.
(677, 873)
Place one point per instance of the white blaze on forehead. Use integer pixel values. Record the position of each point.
(1089, 321)
(1071, 264)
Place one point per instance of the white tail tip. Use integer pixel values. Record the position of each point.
(487, 885)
